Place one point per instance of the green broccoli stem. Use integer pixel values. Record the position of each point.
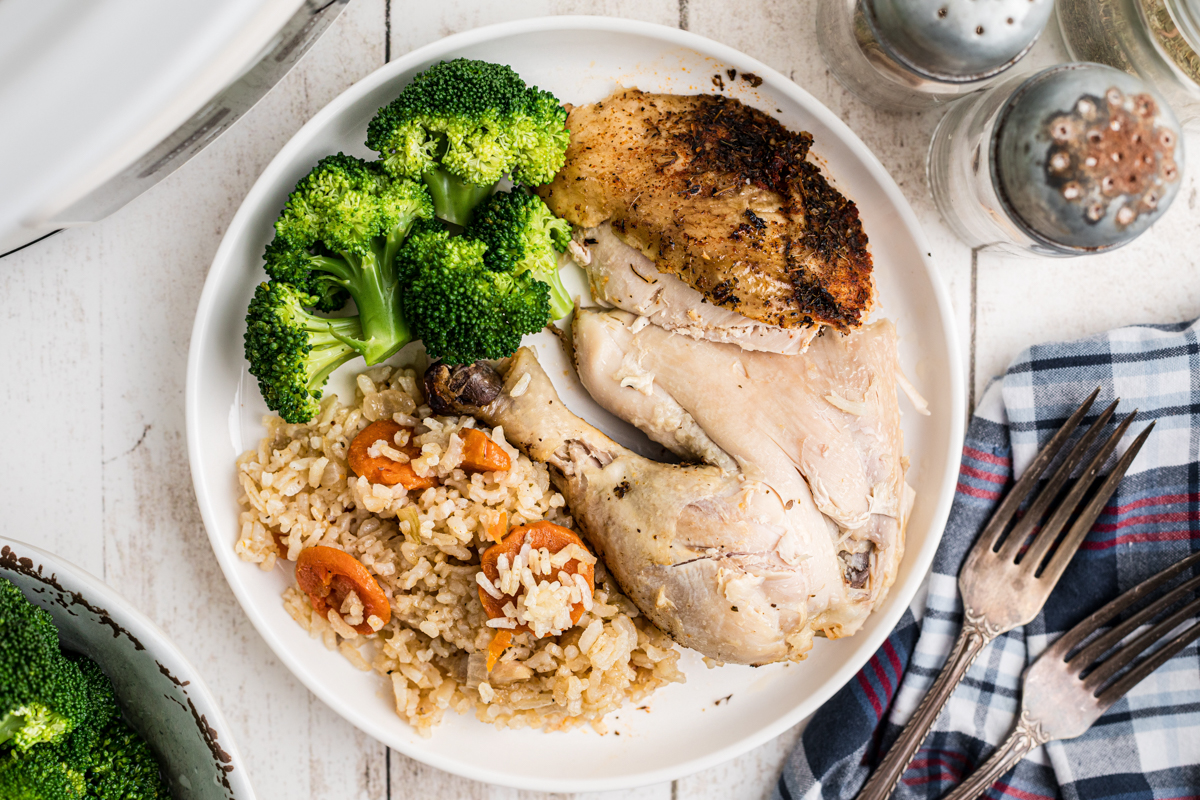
(333, 344)
(32, 724)
(454, 199)
(9, 725)
(395, 239)
(372, 281)
(561, 303)
(546, 270)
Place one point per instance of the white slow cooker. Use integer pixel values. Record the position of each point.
(99, 100)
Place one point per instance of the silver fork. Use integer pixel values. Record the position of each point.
(1004, 586)
(1060, 701)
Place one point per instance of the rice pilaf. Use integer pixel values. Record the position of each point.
(423, 548)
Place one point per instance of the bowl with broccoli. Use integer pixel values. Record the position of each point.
(95, 702)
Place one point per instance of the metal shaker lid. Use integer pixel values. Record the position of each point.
(1085, 157)
(955, 41)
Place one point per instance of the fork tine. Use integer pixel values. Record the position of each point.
(1138, 673)
(1021, 489)
(1137, 646)
(1104, 643)
(1066, 550)
(1033, 515)
(1074, 637)
(1046, 537)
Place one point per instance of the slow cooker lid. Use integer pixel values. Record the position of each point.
(87, 88)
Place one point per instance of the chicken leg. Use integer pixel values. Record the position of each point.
(715, 557)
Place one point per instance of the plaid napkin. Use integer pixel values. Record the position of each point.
(1148, 744)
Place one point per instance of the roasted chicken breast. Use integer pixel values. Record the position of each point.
(822, 428)
(723, 197)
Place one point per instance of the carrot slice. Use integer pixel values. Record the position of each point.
(481, 454)
(327, 575)
(539, 534)
(499, 644)
(498, 528)
(381, 469)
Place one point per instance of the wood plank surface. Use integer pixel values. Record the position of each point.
(97, 321)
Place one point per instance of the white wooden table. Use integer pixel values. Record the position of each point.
(96, 321)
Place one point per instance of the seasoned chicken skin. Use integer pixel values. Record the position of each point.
(714, 557)
(723, 197)
(820, 429)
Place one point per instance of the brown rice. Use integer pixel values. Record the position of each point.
(297, 492)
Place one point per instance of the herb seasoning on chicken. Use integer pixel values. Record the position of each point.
(723, 197)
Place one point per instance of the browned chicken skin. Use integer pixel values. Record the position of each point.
(722, 196)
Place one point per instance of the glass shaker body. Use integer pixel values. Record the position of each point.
(917, 54)
(960, 178)
(1157, 40)
(1075, 159)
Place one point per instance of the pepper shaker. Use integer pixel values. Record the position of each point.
(1157, 40)
(915, 54)
(1075, 159)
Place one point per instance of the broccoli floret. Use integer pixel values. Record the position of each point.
(100, 710)
(122, 767)
(115, 762)
(72, 767)
(522, 235)
(63, 737)
(338, 236)
(293, 352)
(42, 694)
(107, 760)
(462, 310)
(40, 773)
(297, 265)
(462, 125)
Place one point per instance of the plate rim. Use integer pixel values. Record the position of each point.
(919, 561)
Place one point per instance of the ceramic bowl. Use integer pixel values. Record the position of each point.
(160, 693)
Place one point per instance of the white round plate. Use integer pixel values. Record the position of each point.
(719, 713)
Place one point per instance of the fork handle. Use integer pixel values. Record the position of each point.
(975, 634)
(1027, 735)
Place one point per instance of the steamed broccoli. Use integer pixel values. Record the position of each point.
(338, 235)
(522, 235)
(66, 741)
(40, 773)
(293, 352)
(42, 695)
(100, 709)
(461, 309)
(121, 767)
(115, 763)
(102, 759)
(462, 125)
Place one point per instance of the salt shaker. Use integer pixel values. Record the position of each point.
(1157, 40)
(915, 54)
(1075, 159)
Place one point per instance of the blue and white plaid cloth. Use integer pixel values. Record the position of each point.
(1148, 744)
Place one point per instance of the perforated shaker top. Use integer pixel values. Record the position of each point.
(1086, 157)
(957, 41)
